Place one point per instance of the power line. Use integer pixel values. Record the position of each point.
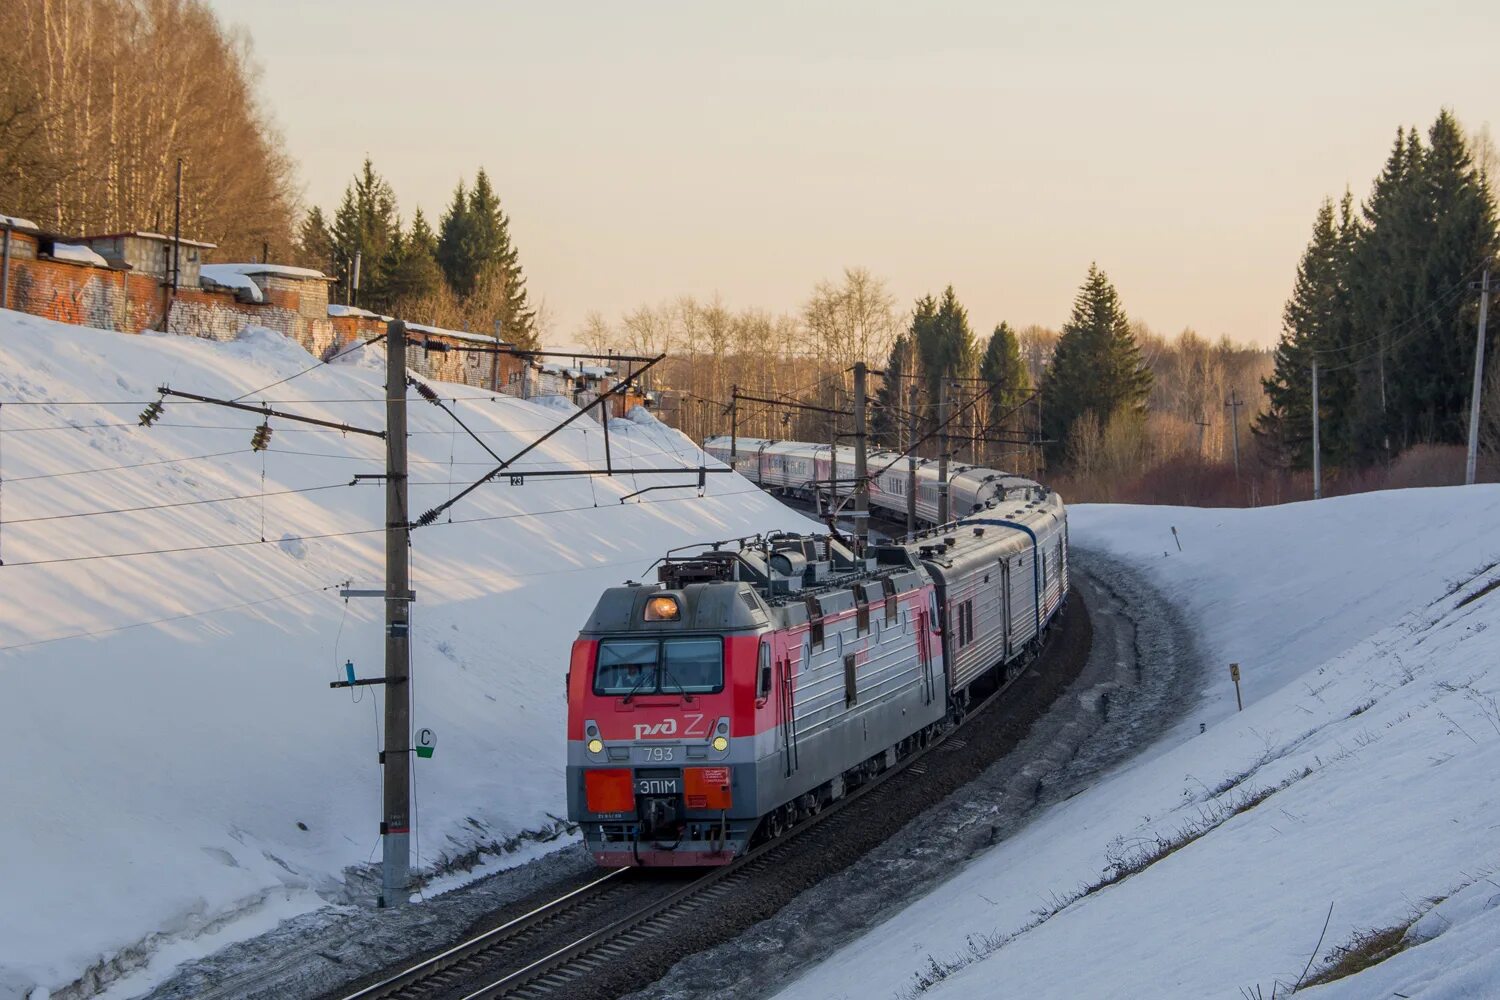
(136, 465)
(180, 503)
(171, 618)
(342, 354)
(215, 546)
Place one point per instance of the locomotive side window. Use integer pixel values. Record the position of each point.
(763, 673)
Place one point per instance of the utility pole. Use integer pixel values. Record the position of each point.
(395, 830)
(943, 451)
(861, 461)
(1317, 438)
(911, 458)
(495, 361)
(1233, 406)
(1202, 427)
(833, 453)
(1471, 465)
(734, 424)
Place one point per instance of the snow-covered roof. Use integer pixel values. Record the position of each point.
(16, 222)
(476, 338)
(226, 276)
(574, 371)
(77, 254)
(147, 235)
(274, 270)
(338, 309)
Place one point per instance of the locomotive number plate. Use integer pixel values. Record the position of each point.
(658, 781)
(654, 754)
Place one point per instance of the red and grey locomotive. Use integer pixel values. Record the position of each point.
(751, 686)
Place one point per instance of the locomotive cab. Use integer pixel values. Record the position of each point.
(661, 695)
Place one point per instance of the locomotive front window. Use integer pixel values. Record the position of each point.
(626, 665)
(693, 666)
(652, 666)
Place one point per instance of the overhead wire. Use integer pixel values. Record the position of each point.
(179, 503)
(325, 361)
(91, 633)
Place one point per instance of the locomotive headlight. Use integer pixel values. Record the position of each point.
(662, 609)
(596, 745)
(720, 744)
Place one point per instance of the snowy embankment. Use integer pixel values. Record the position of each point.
(1360, 776)
(175, 758)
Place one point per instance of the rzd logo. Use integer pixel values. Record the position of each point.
(667, 727)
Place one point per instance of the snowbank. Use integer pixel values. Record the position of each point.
(1359, 776)
(175, 757)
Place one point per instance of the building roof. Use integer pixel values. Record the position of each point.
(147, 235)
(15, 222)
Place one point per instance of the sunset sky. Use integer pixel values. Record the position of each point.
(653, 149)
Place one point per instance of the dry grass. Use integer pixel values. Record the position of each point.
(1365, 949)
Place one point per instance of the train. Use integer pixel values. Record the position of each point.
(758, 680)
(805, 469)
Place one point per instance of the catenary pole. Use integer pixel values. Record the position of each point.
(1233, 406)
(734, 424)
(1317, 437)
(861, 460)
(395, 830)
(1471, 465)
(943, 450)
(910, 447)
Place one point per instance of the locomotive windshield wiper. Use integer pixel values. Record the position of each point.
(667, 673)
(637, 686)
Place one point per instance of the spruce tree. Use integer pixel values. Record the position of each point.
(364, 225)
(410, 266)
(893, 398)
(494, 250)
(314, 241)
(1310, 325)
(1005, 375)
(1097, 369)
(1433, 345)
(455, 243)
(944, 343)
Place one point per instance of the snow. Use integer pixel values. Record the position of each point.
(229, 276)
(477, 338)
(1366, 643)
(77, 254)
(336, 309)
(167, 717)
(273, 270)
(16, 222)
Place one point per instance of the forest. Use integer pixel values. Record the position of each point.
(101, 99)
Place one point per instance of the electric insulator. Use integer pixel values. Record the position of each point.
(261, 439)
(151, 414)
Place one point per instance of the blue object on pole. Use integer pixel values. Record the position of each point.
(349, 670)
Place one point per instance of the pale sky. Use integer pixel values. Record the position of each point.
(645, 150)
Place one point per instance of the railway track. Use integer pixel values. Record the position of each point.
(551, 950)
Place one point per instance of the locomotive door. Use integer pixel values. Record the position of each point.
(789, 708)
(924, 652)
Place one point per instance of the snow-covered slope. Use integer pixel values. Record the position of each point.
(174, 755)
(1360, 776)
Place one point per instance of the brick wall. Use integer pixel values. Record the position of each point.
(129, 302)
(85, 296)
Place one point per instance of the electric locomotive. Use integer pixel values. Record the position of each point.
(751, 686)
